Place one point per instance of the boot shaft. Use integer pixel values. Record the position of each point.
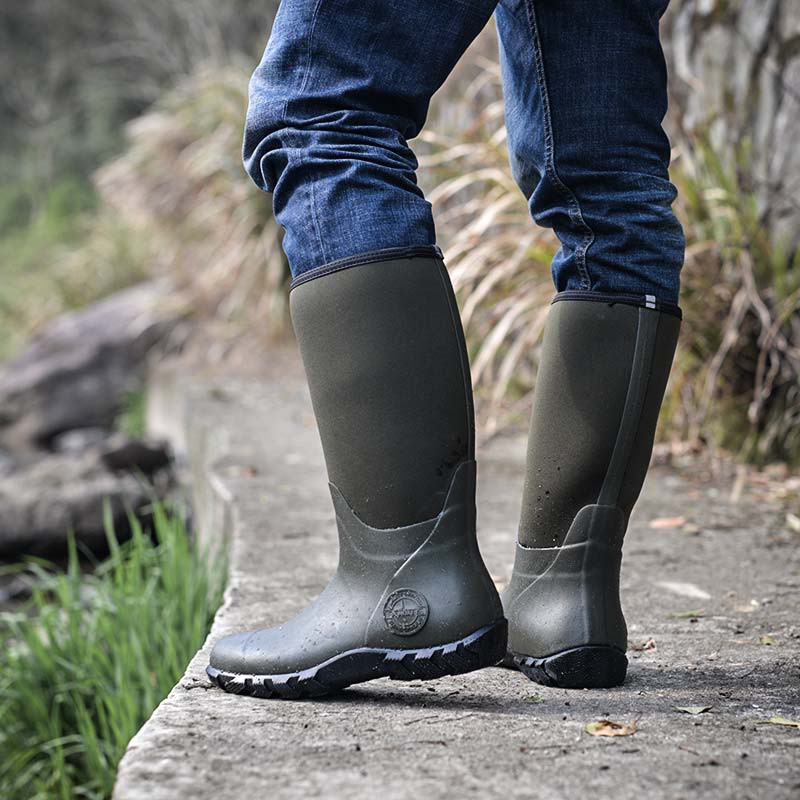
(387, 368)
(601, 379)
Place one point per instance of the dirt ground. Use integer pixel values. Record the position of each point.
(710, 589)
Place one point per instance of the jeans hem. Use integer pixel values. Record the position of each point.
(370, 257)
(638, 300)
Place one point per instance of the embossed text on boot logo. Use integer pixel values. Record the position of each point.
(405, 612)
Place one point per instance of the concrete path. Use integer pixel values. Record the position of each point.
(259, 476)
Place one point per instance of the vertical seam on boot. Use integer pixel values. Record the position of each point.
(648, 383)
(641, 369)
(576, 215)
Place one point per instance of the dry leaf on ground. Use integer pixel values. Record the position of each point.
(650, 644)
(793, 522)
(790, 723)
(695, 613)
(685, 588)
(664, 523)
(690, 529)
(693, 710)
(768, 640)
(605, 727)
(534, 698)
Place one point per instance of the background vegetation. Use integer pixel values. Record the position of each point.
(86, 662)
(148, 102)
(73, 76)
(120, 161)
(736, 383)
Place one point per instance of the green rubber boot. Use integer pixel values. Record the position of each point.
(602, 375)
(387, 368)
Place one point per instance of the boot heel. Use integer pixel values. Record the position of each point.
(493, 645)
(589, 667)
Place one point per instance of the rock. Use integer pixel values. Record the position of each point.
(7, 463)
(40, 503)
(78, 440)
(76, 372)
(121, 453)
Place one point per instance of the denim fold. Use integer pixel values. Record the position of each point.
(344, 86)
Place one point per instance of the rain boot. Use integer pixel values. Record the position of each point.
(384, 354)
(602, 375)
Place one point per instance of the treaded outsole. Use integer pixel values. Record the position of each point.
(589, 667)
(483, 648)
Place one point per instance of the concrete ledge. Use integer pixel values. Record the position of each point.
(258, 477)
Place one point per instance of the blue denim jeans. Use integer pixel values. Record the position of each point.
(345, 84)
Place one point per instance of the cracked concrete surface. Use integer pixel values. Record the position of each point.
(259, 478)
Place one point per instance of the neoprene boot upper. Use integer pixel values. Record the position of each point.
(387, 369)
(602, 376)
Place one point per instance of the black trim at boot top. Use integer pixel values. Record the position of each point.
(372, 257)
(387, 368)
(638, 300)
(602, 376)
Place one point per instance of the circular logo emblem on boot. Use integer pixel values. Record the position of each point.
(405, 612)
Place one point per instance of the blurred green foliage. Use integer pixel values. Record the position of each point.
(84, 665)
(132, 418)
(175, 200)
(69, 254)
(73, 75)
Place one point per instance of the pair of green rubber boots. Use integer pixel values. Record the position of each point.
(388, 372)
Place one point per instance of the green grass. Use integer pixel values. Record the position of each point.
(83, 668)
(131, 420)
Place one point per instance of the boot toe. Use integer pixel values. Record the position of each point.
(286, 649)
(230, 654)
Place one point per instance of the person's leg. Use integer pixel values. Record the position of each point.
(586, 91)
(342, 86)
(585, 87)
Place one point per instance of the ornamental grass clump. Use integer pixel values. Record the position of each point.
(85, 663)
(735, 387)
(180, 184)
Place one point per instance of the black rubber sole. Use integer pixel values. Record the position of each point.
(483, 648)
(590, 667)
